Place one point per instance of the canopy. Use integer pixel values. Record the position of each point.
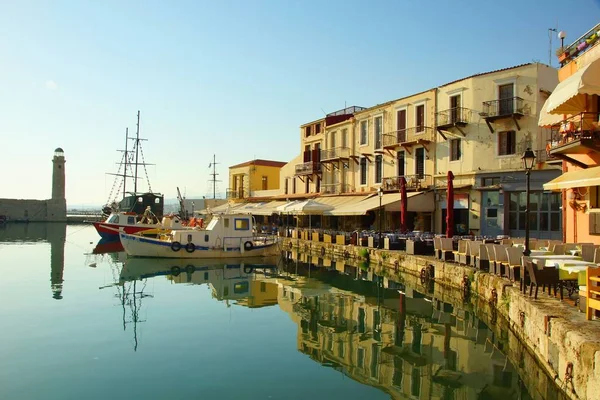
(308, 207)
(569, 96)
(579, 178)
(417, 201)
(263, 208)
(546, 119)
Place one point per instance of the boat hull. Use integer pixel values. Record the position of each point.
(139, 246)
(108, 230)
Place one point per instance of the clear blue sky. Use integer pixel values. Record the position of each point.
(233, 78)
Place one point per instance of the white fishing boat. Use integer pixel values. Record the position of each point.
(226, 236)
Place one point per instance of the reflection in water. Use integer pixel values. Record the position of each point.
(53, 233)
(382, 332)
(227, 279)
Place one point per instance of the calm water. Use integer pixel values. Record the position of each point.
(81, 325)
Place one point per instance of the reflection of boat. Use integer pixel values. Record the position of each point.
(229, 279)
(226, 236)
(107, 246)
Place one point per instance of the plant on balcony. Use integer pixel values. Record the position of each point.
(562, 53)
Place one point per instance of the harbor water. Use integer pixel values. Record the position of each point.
(81, 320)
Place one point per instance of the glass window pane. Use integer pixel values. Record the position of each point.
(554, 221)
(533, 221)
(545, 199)
(543, 221)
(514, 202)
(521, 221)
(533, 201)
(522, 201)
(555, 201)
(512, 220)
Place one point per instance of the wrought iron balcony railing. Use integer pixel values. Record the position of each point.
(407, 136)
(236, 193)
(336, 153)
(582, 126)
(413, 182)
(308, 168)
(335, 188)
(453, 116)
(503, 107)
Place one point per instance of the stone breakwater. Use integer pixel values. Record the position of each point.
(563, 342)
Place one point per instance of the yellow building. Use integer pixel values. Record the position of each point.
(573, 112)
(484, 123)
(256, 178)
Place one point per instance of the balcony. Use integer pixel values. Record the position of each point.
(335, 154)
(407, 137)
(512, 107)
(457, 117)
(413, 182)
(236, 194)
(335, 188)
(308, 168)
(576, 135)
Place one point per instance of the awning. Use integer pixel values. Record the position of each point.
(546, 119)
(391, 202)
(263, 208)
(221, 208)
(580, 178)
(568, 96)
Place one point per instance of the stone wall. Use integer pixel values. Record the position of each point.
(18, 210)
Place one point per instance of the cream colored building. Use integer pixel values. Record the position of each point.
(484, 124)
(256, 178)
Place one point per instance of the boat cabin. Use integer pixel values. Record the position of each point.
(224, 230)
(138, 203)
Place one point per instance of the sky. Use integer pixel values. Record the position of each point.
(230, 78)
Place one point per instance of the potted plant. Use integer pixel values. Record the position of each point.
(562, 54)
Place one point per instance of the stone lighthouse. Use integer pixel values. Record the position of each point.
(57, 207)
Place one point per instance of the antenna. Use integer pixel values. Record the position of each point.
(214, 174)
(550, 31)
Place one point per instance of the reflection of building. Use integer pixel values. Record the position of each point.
(404, 344)
(574, 112)
(51, 210)
(55, 234)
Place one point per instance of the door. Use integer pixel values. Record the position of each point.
(401, 126)
(492, 208)
(506, 94)
(400, 161)
(455, 109)
(420, 162)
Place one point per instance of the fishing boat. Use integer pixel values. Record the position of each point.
(227, 235)
(136, 211)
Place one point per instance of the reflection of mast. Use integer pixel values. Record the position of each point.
(57, 233)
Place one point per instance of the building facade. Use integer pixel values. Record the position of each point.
(256, 178)
(573, 114)
(484, 124)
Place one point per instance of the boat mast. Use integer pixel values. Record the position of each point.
(125, 169)
(214, 176)
(137, 143)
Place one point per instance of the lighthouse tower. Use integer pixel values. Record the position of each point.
(58, 202)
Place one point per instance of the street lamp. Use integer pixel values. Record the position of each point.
(380, 194)
(562, 35)
(528, 161)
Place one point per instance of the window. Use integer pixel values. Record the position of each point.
(378, 122)
(455, 109)
(286, 185)
(332, 140)
(317, 129)
(293, 185)
(364, 130)
(506, 143)
(344, 138)
(130, 220)
(420, 117)
(378, 168)
(489, 181)
(545, 211)
(594, 196)
(420, 162)
(363, 170)
(241, 224)
(226, 222)
(454, 149)
(307, 131)
(264, 183)
(506, 95)
(400, 161)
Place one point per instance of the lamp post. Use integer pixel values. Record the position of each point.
(528, 160)
(380, 194)
(562, 35)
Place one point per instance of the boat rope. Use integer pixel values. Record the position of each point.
(145, 170)
(119, 181)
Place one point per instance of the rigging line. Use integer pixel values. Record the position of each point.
(78, 230)
(145, 169)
